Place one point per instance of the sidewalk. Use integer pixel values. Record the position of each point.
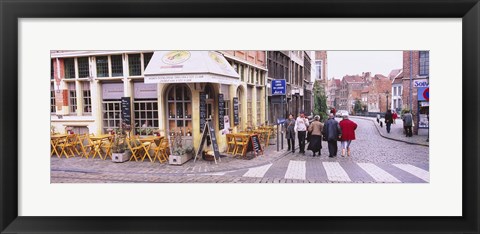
(228, 163)
(396, 132)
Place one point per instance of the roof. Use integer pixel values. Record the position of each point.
(353, 79)
(380, 76)
(397, 80)
(394, 73)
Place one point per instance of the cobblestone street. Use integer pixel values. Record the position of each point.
(374, 159)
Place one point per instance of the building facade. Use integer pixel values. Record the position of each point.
(87, 88)
(416, 75)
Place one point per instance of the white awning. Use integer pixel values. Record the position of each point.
(189, 67)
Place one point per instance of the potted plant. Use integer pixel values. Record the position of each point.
(119, 144)
(180, 152)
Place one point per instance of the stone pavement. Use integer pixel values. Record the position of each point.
(396, 131)
(227, 163)
(374, 159)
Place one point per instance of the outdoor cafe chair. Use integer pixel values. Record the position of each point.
(241, 146)
(231, 144)
(161, 150)
(136, 147)
(107, 147)
(68, 145)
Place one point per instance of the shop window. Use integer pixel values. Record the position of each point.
(83, 67)
(146, 116)
(87, 99)
(134, 66)
(111, 114)
(102, 66)
(146, 59)
(227, 111)
(424, 63)
(69, 68)
(179, 110)
(52, 100)
(72, 98)
(117, 65)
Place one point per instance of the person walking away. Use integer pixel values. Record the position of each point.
(348, 134)
(315, 130)
(289, 125)
(388, 120)
(332, 132)
(394, 116)
(378, 118)
(407, 123)
(333, 111)
(301, 125)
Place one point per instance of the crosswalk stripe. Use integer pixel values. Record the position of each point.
(296, 170)
(335, 172)
(418, 172)
(257, 171)
(378, 173)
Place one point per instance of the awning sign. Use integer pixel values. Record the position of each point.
(190, 67)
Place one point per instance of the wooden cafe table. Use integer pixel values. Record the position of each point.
(97, 143)
(54, 140)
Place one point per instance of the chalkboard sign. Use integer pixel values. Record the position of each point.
(126, 107)
(236, 120)
(221, 111)
(203, 109)
(208, 131)
(254, 144)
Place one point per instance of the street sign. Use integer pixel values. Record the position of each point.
(423, 94)
(426, 94)
(279, 87)
(422, 83)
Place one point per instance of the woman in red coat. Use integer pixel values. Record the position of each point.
(348, 134)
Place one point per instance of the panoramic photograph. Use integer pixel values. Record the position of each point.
(136, 116)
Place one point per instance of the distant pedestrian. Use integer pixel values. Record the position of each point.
(301, 125)
(394, 116)
(407, 123)
(332, 133)
(388, 120)
(348, 133)
(333, 111)
(289, 125)
(315, 130)
(378, 118)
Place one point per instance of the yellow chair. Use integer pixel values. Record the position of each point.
(136, 147)
(241, 145)
(160, 151)
(68, 145)
(107, 147)
(231, 144)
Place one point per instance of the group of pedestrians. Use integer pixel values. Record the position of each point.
(331, 131)
(407, 119)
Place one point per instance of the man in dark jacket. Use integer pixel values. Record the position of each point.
(332, 132)
(388, 120)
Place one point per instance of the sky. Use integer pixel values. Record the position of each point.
(341, 63)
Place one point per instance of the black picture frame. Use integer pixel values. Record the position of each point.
(11, 11)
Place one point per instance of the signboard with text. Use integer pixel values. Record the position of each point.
(422, 83)
(279, 87)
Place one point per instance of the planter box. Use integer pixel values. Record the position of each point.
(179, 159)
(121, 157)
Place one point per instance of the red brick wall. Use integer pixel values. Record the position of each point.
(256, 57)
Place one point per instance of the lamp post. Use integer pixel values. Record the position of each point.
(386, 94)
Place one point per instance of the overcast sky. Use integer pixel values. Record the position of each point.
(341, 63)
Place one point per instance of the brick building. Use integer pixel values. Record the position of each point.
(379, 92)
(416, 74)
(350, 90)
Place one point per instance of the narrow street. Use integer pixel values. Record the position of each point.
(374, 159)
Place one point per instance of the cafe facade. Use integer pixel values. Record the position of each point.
(168, 91)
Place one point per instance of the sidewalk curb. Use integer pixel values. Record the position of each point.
(387, 137)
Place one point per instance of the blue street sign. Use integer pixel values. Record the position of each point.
(280, 121)
(279, 87)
